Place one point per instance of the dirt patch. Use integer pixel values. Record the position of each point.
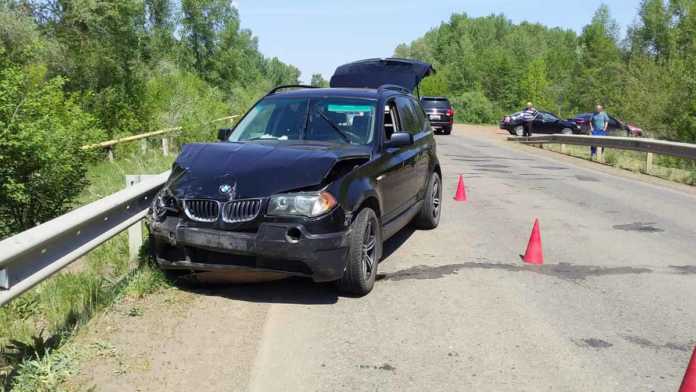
(172, 340)
(587, 178)
(385, 367)
(637, 340)
(593, 343)
(642, 227)
(563, 271)
(684, 269)
(550, 167)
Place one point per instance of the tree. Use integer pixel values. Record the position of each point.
(319, 81)
(534, 86)
(42, 167)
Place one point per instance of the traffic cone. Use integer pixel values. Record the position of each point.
(534, 253)
(689, 383)
(461, 191)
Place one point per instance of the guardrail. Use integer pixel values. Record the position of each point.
(109, 144)
(650, 146)
(32, 256)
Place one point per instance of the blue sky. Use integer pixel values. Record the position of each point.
(317, 36)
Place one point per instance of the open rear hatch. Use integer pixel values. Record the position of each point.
(374, 73)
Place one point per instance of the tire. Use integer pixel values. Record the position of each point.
(567, 131)
(518, 130)
(448, 131)
(364, 253)
(429, 216)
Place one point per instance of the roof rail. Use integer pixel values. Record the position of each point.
(394, 87)
(273, 91)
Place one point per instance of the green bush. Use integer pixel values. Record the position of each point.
(178, 98)
(473, 107)
(42, 166)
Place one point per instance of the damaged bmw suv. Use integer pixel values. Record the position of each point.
(310, 182)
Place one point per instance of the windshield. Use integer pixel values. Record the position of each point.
(435, 103)
(333, 120)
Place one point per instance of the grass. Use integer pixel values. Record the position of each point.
(35, 326)
(672, 169)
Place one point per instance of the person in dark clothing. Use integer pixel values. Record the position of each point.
(528, 115)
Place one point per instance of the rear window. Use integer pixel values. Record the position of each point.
(435, 102)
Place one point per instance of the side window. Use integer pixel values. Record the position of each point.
(409, 121)
(391, 120)
(420, 115)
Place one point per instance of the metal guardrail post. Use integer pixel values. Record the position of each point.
(648, 162)
(165, 146)
(135, 232)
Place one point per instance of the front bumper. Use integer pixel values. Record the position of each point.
(277, 247)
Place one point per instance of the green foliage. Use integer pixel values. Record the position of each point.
(319, 81)
(475, 108)
(489, 66)
(42, 166)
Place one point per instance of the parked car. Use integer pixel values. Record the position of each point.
(310, 182)
(545, 122)
(439, 112)
(616, 127)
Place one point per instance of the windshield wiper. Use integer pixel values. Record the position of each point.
(335, 127)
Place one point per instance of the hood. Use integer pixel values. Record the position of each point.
(374, 73)
(255, 169)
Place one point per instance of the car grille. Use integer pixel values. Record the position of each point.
(202, 210)
(241, 210)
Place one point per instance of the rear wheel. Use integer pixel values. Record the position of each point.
(363, 255)
(567, 131)
(447, 130)
(429, 216)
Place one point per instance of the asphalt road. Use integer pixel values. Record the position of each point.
(613, 308)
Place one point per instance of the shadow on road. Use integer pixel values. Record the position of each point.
(276, 288)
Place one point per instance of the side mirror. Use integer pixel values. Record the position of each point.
(224, 134)
(399, 139)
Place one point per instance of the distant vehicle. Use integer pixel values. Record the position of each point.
(310, 181)
(616, 126)
(439, 112)
(545, 122)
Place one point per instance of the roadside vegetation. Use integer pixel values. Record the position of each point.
(74, 73)
(490, 66)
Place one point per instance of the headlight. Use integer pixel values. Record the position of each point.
(301, 204)
(163, 202)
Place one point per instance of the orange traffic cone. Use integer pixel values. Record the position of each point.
(689, 383)
(461, 192)
(534, 253)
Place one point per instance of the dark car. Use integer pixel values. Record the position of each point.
(616, 127)
(544, 122)
(439, 112)
(310, 181)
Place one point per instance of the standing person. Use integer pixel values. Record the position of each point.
(599, 122)
(528, 115)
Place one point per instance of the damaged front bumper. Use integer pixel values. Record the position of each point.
(276, 247)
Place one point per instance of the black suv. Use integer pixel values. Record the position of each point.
(310, 182)
(439, 112)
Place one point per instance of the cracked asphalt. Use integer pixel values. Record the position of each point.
(613, 308)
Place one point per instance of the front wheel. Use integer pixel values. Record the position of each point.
(364, 254)
(429, 216)
(567, 131)
(519, 130)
